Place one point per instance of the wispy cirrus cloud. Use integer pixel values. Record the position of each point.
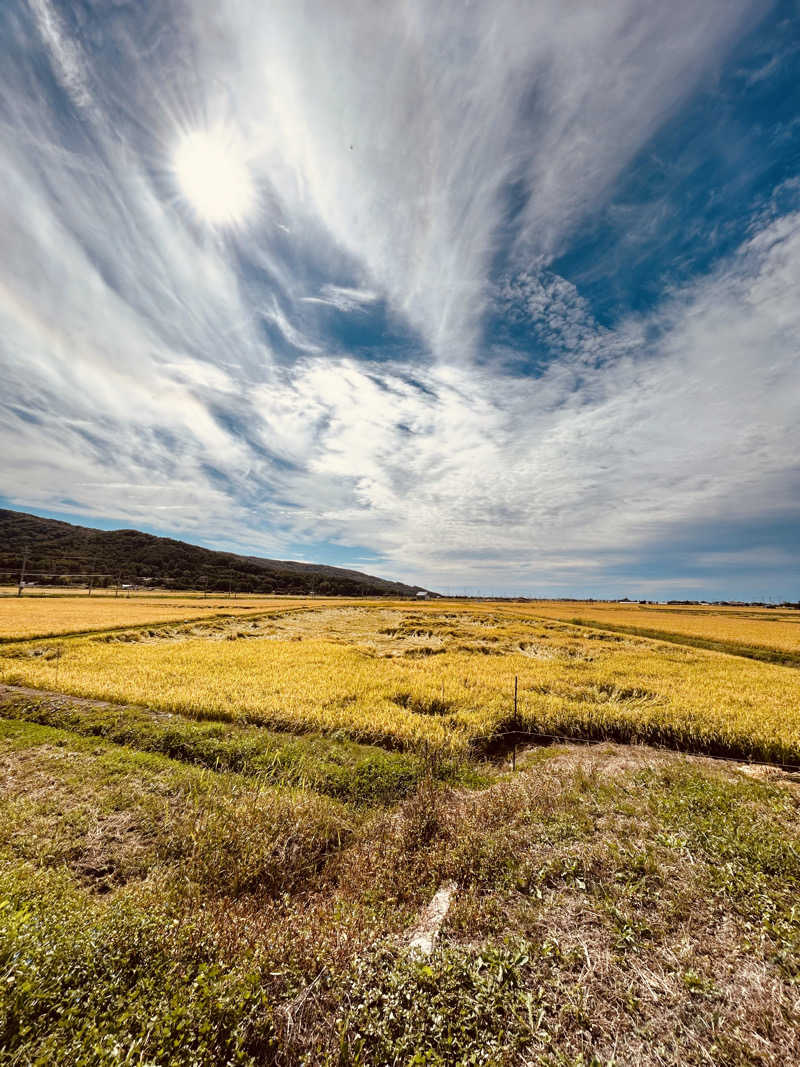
(414, 165)
(611, 456)
(413, 131)
(342, 298)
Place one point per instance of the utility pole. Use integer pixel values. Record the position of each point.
(22, 573)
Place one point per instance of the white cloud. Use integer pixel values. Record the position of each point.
(497, 475)
(466, 473)
(401, 127)
(137, 381)
(343, 298)
(290, 333)
(68, 63)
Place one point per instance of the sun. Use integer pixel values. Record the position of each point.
(213, 174)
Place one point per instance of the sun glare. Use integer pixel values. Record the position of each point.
(213, 174)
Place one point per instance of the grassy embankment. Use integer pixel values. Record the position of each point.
(608, 908)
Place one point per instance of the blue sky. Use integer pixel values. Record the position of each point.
(501, 296)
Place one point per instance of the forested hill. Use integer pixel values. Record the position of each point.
(57, 550)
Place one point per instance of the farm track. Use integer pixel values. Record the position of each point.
(10, 691)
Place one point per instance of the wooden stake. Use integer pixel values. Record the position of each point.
(514, 749)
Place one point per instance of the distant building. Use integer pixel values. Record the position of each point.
(422, 595)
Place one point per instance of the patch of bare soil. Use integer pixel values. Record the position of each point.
(114, 845)
(53, 816)
(603, 759)
(608, 760)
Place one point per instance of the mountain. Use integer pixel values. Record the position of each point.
(59, 552)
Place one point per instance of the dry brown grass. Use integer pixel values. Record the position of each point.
(113, 816)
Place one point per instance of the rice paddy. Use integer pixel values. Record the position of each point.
(220, 830)
(42, 616)
(770, 629)
(407, 676)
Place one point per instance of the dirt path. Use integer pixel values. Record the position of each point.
(55, 699)
(54, 695)
(610, 759)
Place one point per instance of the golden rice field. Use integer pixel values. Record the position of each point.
(436, 674)
(139, 593)
(764, 628)
(42, 616)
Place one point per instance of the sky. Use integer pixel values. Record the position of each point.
(493, 297)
